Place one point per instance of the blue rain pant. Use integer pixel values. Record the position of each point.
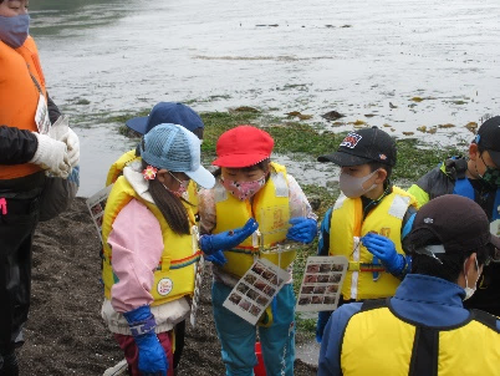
(238, 337)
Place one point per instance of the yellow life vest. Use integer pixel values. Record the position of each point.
(175, 274)
(116, 170)
(347, 226)
(376, 342)
(271, 209)
(19, 96)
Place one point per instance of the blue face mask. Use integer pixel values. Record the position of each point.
(14, 30)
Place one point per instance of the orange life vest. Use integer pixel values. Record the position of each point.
(19, 96)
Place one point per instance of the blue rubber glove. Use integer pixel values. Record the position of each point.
(210, 244)
(385, 250)
(323, 317)
(152, 357)
(303, 229)
(217, 258)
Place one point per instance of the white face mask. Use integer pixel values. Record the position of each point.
(469, 291)
(352, 186)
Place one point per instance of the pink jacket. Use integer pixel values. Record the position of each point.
(137, 243)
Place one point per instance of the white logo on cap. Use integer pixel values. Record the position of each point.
(428, 220)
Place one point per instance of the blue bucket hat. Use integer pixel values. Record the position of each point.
(176, 149)
(167, 113)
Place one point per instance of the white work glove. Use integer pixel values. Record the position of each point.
(52, 155)
(61, 131)
(73, 144)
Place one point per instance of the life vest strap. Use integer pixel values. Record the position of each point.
(246, 251)
(365, 267)
(174, 264)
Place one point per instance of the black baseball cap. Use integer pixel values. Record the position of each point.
(364, 146)
(459, 223)
(167, 113)
(488, 137)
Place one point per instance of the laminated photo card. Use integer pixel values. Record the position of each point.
(322, 283)
(255, 291)
(96, 205)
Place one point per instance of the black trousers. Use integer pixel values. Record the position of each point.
(17, 227)
(180, 334)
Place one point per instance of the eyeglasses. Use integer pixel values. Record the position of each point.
(181, 182)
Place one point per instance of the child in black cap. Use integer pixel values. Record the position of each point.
(478, 178)
(367, 222)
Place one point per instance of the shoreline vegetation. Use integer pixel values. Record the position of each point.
(305, 141)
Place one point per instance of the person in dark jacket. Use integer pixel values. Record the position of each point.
(478, 178)
(425, 328)
(27, 152)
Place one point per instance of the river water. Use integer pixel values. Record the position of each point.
(356, 57)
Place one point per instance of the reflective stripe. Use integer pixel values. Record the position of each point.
(355, 275)
(399, 206)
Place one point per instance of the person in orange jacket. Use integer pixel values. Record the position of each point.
(27, 152)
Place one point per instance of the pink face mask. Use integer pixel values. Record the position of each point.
(243, 190)
(183, 185)
(180, 191)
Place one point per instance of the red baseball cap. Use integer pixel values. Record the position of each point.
(243, 146)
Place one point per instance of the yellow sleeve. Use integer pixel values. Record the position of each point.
(420, 195)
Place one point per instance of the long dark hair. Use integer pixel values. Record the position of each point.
(170, 206)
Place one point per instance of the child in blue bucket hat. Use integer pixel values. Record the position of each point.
(150, 248)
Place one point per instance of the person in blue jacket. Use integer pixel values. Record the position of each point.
(425, 326)
(478, 178)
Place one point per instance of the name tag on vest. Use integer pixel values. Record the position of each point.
(42, 116)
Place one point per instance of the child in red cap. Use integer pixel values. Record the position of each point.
(252, 192)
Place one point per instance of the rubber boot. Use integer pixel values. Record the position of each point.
(10, 366)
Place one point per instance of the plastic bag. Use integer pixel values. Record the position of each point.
(58, 193)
